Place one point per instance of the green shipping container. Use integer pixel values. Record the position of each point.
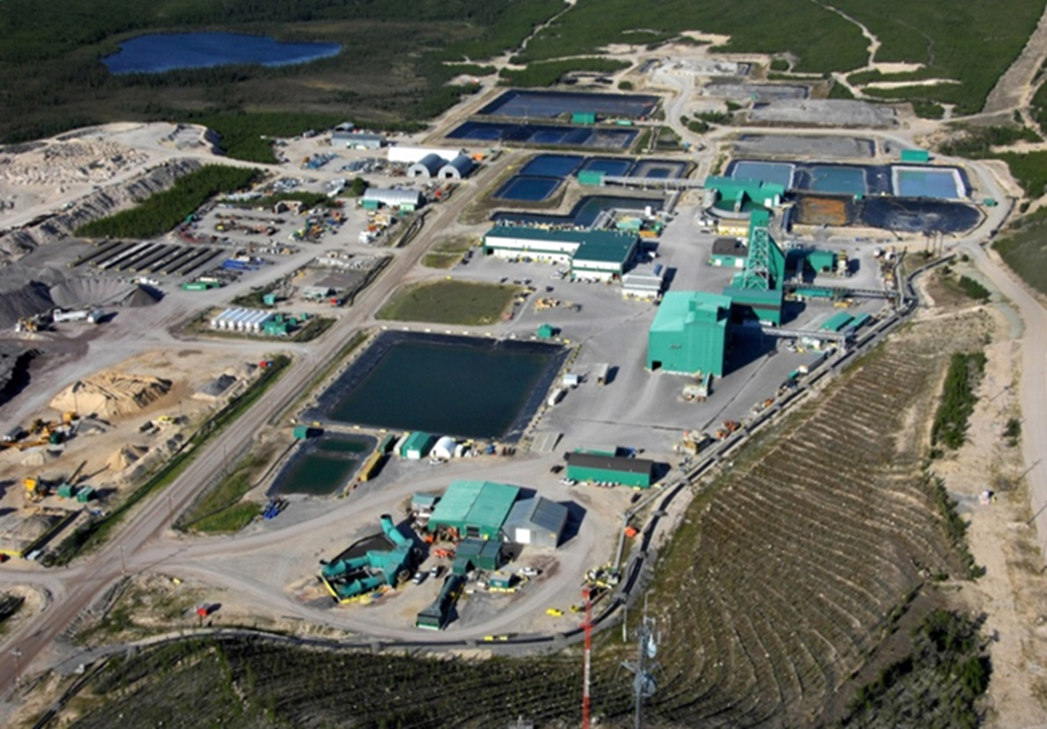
(583, 117)
(590, 178)
(85, 494)
(919, 156)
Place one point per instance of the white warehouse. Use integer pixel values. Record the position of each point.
(593, 255)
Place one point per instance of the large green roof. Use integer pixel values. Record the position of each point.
(610, 246)
(475, 503)
(681, 308)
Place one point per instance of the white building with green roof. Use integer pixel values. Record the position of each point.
(598, 255)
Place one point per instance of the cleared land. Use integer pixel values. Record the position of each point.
(1023, 250)
(449, 302)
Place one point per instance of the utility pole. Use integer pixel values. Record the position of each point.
(644, 683)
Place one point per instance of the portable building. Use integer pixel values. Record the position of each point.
(591, 178)
(375, 197)
(444, 448)
(583, 117)
(728, 252)
(417, 445)
(546, 331)
(537, 522)
(636, 472)
(457, 168)
(357, 140)
(919, 156)
(689, 333)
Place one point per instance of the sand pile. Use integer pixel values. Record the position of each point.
(39, 458)
(111, 394)
(66, 162)
(126, 456)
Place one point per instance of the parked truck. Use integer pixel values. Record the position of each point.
(91, 316)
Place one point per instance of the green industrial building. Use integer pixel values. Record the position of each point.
(689, 333)
(599, 255)
(475, 509)
(472, 554)
(918, 156)
(635, 472)
(417, 445)
(732, 194)
(837, 322)
(583, 117)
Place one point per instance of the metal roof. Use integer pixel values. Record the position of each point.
(679, 309)
(462, 164)
(492, 505)
(388, 196)
(538, 513)
(430, 164)
(456, 502)
(611, 463)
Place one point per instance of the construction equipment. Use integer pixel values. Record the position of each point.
(605, 577)
(35, 489)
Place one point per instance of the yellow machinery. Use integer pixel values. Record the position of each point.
(35, 490)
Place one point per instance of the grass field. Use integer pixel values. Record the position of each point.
(221, 509)
(449, 302)
(446, 252)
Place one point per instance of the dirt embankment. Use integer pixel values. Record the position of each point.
(16, 243)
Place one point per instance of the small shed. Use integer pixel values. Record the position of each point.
(583, 117)
(423, 503)
(417, 445)
(444, 448)
(917, 156)
(591, 178)
(546, 331)
(537, 522)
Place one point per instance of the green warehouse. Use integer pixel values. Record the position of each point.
(475, 509)
(636, 472)
(689, 333)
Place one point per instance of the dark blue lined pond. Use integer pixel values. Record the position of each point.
(545, 134)
(322, 466)
(551, 104)
(837, 179)
(552, 165)
(528, 189)
(585, 213)
(159, 52)
(461, 386)
(607, 165)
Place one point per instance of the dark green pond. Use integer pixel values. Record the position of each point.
(322, 467)
(446, 385)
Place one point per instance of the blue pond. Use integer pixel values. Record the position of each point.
(528, 189)
(550, 104)
(838, 179)
(552, 165)
(547, 134)
(159, 52)
(943, 184)
(607, 165)
(780, 173)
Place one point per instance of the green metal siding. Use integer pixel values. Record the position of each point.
(583, 117)
(921, 156)
(582, 473)
(689, 333)
(837, 322)
(590, 177)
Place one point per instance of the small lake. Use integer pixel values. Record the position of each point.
(160, 52)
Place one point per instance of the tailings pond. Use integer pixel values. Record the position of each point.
(545, 134)
(321, 466)
(928, 183)
(524, 188)
(159, 52)
(551, 104)
(460, 386)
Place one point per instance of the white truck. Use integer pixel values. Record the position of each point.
(91, 316)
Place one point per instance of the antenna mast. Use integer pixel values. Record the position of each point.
(588, 625)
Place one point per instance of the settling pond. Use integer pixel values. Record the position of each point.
(551, 104)
(545, 134)
(159, 52)
(461, 386)
(322, 466)
(585, 212)
(931, 183)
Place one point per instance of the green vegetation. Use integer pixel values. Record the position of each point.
(549, 72)
(1022, 248)
(161, 212)
(958, 399)
(247, 136)
(974, 289)
(625, 85)
(839, 91)
(938, 683)
(393, 68)
(446, 252)
(953, 524)
(1030, 170)
(779, 64)
(449, 302)
(928, 109)
(92, 533)
(220, 508)
(1012, 433)
(977, 142)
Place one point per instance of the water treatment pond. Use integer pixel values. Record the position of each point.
(461, 386)
(159, 52)
(585, 212)
(322, 466)
(942, 184)
(546, 134)
(528, 189)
